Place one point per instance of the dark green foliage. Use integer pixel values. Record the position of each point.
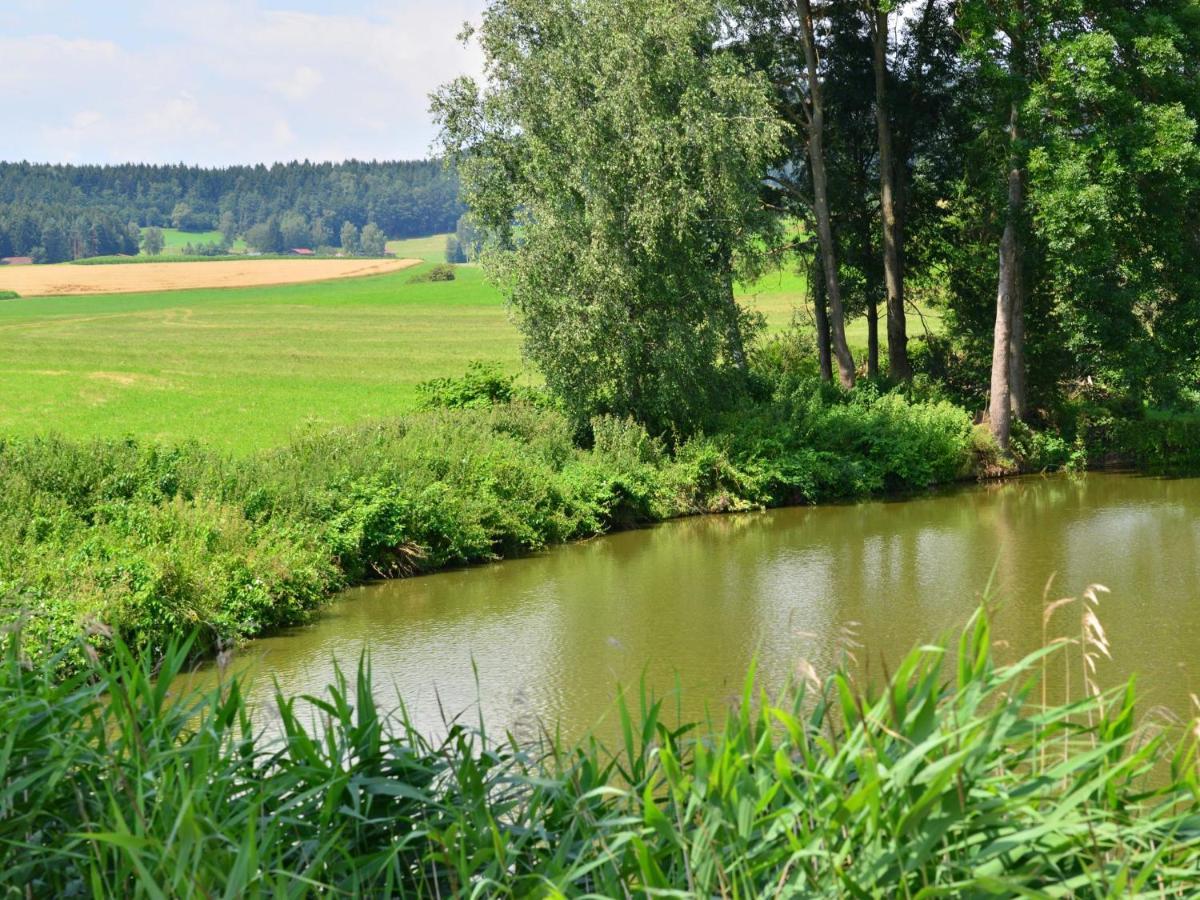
(1153, 440)
(74, 212)
(157, 542)
(9, 295)
(372, 242)
(152, 241)
(939, 783)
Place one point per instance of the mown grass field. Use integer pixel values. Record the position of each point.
(245, 368)
(175, 240)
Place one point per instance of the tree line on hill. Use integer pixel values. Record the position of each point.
(1029, 171)
(55, 213)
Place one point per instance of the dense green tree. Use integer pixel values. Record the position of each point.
(621, 203)
(1084, 171)
(266, 237)
(349, 238)
(321, 234)
(454, 250)
(133, 239)
(373, 242)
(228, 227)
(879, 18)
(152, 241)
(295, 231)
(468, 237)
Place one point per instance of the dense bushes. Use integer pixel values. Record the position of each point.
(154, 542)
(112, 784)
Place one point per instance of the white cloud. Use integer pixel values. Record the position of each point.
(300, 84)
(224, 83)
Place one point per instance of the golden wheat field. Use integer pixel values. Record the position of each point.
(125, 278)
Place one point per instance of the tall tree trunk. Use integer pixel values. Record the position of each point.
(816, 159)
(821, 314)
(899, 366)
(733, 328)
(873, 339)
(1000, 405)
(1018, 396)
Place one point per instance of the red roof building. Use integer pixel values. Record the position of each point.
(17, 261)
(303, 251)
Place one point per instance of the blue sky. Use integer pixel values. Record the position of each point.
(216, 82)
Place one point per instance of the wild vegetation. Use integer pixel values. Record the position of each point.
(114, 784)
(1030, 171)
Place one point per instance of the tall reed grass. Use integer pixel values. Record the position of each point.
(935, 784)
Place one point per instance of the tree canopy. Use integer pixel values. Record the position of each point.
(1029, 172)
(614, 156)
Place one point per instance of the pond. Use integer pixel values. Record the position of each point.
(693, 603)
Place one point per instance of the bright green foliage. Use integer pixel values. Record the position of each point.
(615, 156)
(113, 784)
(483, 385)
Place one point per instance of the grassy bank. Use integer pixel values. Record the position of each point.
(155, 542)
(952, 780)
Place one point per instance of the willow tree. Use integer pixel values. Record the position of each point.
(613, 155)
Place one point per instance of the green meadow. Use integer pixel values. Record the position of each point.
(175, 240)
(246, 368)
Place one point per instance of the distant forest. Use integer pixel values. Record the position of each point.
(55, 213)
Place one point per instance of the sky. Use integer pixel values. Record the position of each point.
(222, 82)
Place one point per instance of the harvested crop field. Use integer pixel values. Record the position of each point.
(124, 278)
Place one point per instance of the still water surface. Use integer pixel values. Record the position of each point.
(692, 603)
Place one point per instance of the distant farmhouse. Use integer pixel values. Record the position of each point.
(303, 251)
(17, 261)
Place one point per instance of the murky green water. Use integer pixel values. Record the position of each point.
(694, 602)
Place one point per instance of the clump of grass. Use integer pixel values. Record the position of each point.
(9, 295)
(932, 785)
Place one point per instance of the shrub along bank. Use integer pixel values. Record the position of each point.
(111, 784)
(152, 543)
